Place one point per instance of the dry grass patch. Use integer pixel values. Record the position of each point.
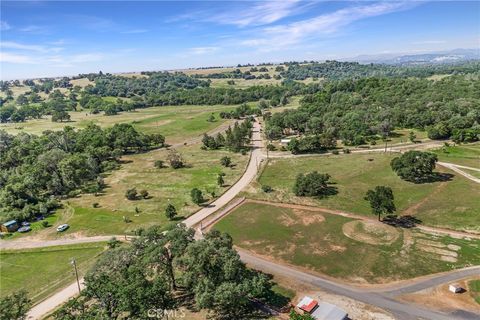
(370, 232)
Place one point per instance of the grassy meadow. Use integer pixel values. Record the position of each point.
(45, 270)
(453, 204)
(318, 241)
(465, 155)
(176, 123)
(164, 185)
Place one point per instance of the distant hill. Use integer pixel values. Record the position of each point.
(451, 56)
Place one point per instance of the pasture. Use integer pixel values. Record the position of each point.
(452, 204)
(45, 270)
(353, 250)
(176, 123)
(165, 185)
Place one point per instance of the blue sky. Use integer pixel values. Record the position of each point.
(51, 38)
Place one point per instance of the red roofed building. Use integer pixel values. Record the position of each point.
(307, 304)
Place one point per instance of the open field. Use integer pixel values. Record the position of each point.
(465, 155)
(43, 271)
(341, 247)
(164, 185)
(453, 204)
(175, 123)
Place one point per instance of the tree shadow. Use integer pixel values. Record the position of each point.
(434, 177)
(406, 221)
(329, 191)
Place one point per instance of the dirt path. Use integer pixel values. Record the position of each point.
(457, 169)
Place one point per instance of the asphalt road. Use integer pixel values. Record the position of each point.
(382, 298)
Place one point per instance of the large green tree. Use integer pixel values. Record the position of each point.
(381, 200)
(15, 306)
(415, 166)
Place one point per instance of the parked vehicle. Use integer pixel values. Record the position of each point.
(62, 227)
(24, 229)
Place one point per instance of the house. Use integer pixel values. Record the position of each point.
(307, 304)
(327, 311)
(322, 310)
(455, 288)
(9, 226)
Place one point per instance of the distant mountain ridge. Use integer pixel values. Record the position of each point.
(439, 57)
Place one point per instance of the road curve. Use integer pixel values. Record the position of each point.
(256, 157)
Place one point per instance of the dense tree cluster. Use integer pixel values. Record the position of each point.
(160, 271)
(36, 170)
(312, 184)
(155, 83)
(334, 70)
(361, 111)
(415, 166)
(235, 139)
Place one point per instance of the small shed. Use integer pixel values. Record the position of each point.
(327, 311)
(9, 226)
(307, 304)
(455, 288)
(284, 142)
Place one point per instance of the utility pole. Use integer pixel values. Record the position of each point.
(74, 263)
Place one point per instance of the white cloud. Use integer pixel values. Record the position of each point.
(203, 50)
(4, 25)
(86, 57)
(262, 13)
(16, 58)
(35, 29)
(281, 36)
(28, 47)
(430, 42)
(134, 31)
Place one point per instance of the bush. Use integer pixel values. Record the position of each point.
(95, 205)
(414, 166)
(131, 194)
(267, 188)
(271, 147)
(45, 223)
(159, 164)
(113, 243)
(175, 159)
(335, 152)
(226, 161)
(197, 196)
(144, 194)
(346, 151)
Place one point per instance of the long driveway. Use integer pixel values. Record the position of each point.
(256, 157)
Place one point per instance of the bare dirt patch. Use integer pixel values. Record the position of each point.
(370, 232)
(439, 298)
(308, 217)
(441, 254)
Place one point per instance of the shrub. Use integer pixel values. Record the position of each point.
(159, 164)
(226, 161)
(44, 223)
(175, 159)
(131, 194)
(197, 196)
(95, 205)
(346, 151)
(113, 243)
(267, 188)
(335, 152)
(144, 194)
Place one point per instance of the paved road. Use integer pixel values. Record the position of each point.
(383, 300)
(256, 157)
(53, 302)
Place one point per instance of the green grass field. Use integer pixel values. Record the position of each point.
(474, 288)
(164, 185)
(454, 204)
(465, 155)
(316, 241)
(176, 123)
(43, 271)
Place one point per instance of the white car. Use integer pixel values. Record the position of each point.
(62, 227)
